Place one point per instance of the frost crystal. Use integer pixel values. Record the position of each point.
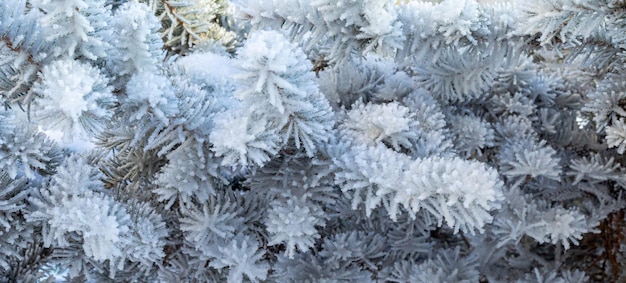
(74, 99)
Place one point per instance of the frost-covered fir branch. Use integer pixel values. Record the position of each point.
(194, 25)
(312, 141)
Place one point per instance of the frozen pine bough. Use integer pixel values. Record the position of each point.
(312, 141)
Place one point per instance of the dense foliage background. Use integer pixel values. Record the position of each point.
(312, 141)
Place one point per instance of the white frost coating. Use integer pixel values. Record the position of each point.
(616, 135)
(243, 257)
(280, 103)
(70, 91)
(151, 94)
(373, 123)
(136, 42)
(458, 192)
(293, 222)
(209, 66)
(74, 98)
(380, 15)
(448, 10)
(93, 218)
(75, 28)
